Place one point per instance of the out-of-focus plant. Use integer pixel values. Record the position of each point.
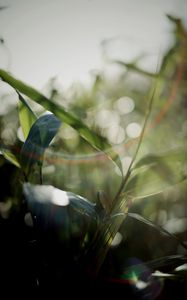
(86, 230)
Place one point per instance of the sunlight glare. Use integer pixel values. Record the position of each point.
(59, 197)
(124, 105)
(116, 134)
(117, 239)
(133, 130)
(106, 118)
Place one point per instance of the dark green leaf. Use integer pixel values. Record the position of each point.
(165, 263)
(95, 140)
(155, 173)
(39, 138)
(170, 262)
(61, 211)
(47, 194)
(26, 116)
(155, 226)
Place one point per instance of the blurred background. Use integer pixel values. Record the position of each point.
(69, 39)
(101, 60)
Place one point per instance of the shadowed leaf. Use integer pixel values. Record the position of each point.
(71, 215)
(155, 226)
(41, 134)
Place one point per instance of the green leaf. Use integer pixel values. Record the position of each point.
(167, 60)
(39, 138)
(156, 227)
(170, 262)
(48, 194)
(155, 173)
(10, 157)
(102, 241)
(26, 116)
(63, 212)
(95, 140)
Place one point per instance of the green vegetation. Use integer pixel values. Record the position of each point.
(120, 229)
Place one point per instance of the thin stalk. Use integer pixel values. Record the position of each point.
(101, 242)
(124, 181)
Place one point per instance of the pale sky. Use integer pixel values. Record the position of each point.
(63, 38)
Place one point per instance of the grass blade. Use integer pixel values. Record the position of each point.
(133, 67)
(9, 155)
(155, 173)
(95, 140)
(155, 226)
(26, 116)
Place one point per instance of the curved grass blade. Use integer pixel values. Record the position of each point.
(102, 241)
(170, 262)
(155, 173)
(39, 138)
(155, 226)
(166, 264)
(9, 155)
(49, 195)
(94, 139)
(26, 116)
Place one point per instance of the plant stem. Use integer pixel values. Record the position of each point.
(124, 180)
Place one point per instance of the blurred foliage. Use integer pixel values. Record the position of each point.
(115, 110)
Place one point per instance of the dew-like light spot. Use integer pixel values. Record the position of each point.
(181, 268)
(106, 118)
(117, 239)
(59, 197)
(124, 105)
(176, 225)
(116, 134)
(141, 284)
(28, 220)
(133, 130)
